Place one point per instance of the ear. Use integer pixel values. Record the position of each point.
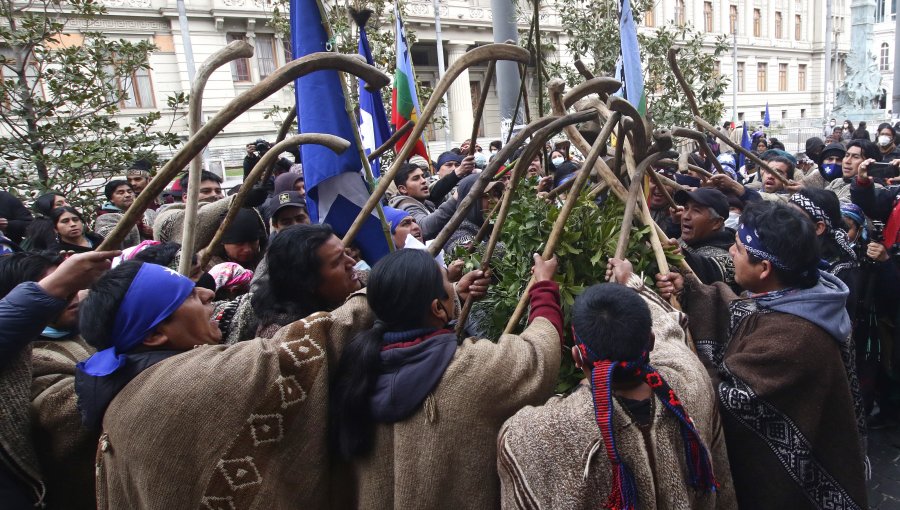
(820, 228)
(402, 189)
(576, 357)
(156, 338)
(766, 270)
(437, 311)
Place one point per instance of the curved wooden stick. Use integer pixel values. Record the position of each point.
(478, 55)
(479, 109)
(560, 223)
(752, 157)
(637, 178)
(688, 91)
(671, 163)
(639, 130)
(390, 142)
(700, 138)
(582, 68)
(335, 143)
(283, 76)
(234, 51)
(601, 86)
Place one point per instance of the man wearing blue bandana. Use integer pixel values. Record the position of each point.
(781, 364)
(184, 421)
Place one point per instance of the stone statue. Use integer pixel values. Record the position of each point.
(860, 91)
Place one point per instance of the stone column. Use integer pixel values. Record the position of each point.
(460, 93)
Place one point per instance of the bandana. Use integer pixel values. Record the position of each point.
(155, 293)
(839, 235)
(230, 274)
(623, 495)
(753, 244)
(856, 215)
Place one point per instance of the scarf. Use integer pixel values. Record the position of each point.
(623, 495)
(839, 235)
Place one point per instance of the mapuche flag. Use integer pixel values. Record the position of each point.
(373, 125)
(335, 188)
(631, 59)
(404, 103)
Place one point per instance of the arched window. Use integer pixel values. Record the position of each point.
(884, 61)
(679, 12)
(708, 16)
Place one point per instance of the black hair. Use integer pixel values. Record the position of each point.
(204, 176)
(57, 213)
(401, 288)
(283, 165)
(781, 159)
(775, 143)
(44, 203)
(886, 125)
(403, 174)
(612, 321)
(851, 128)
(96, 314)
(829, 203)
(21, 267)
(495, 144)
(789, 235)
(162, 254)
(112, 186)
(869, 149)
(294, 275)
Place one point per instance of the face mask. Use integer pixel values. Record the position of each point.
(831, 123)
(557, 161)
(734, 219)
(493, 151)
(831, 171)
(884, 140)
(480, 160)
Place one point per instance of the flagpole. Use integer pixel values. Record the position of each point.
(734, 82)
(370, 179)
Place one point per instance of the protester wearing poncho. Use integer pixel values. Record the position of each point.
(248, 429)
(779, 368)
(554, 456)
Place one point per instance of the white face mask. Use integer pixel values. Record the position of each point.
(733, 220)
(831, 123)
(557, 161)
(480, 160)
(493, 151)
(884, 140)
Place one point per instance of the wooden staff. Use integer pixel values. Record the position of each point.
(752, 157)
(234, 51)
(700, 138)
(275, 82)
(671, 163)
(332, 142)
(635, 188)
(482, 231)
(282, 134)
(477, 55)
(536, 128)
(479, 110)
(564, 213)
(398, 134)
(582, 68)
(562, 188)
(598, 188)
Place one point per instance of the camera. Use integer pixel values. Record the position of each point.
(262, 146)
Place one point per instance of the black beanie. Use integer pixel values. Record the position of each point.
(245, 227)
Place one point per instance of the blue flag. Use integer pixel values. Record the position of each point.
(745, 143)
(766, 119)
(373, 124)
(335, 188)
(631, 59)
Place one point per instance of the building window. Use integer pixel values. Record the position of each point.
(757, 23)
(784, 114)
(884, 63)
(240, 68)
(782, 77)
(801, 78)
(740, 77)
(708, 16)
(679, 12)
(288, 52)
(802, 113)
(778, 25)
(732, 19)
(139, 90)
(798, 27)
(265, 55)
(761, 77)
(649, 20)
(740, 116)
(881, 7)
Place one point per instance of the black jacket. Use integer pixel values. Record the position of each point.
(16, 214)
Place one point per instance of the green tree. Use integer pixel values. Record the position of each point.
(595, 40)
(61, 92)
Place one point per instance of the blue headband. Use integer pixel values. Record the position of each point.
(753, 244)
(155, 293)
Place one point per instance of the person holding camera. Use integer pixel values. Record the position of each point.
(255, 152)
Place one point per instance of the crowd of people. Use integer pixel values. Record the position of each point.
(289, 373)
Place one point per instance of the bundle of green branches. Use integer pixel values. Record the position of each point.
(587, 243)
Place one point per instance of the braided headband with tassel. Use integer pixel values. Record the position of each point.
(623, 495)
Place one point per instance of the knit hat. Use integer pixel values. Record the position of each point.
(286, 182)
(813, 143)
(448, 157)
(244, 228)
(778, 152)
(394, 217)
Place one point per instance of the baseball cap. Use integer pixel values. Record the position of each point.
(704, 196)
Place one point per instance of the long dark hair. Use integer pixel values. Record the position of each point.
(57, 213)
(41, 232)
(401, 288)
(294, 275)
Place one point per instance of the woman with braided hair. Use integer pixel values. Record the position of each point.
(641, 431)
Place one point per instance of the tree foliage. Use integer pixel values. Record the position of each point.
(595, 40)
(587, 243)
(60, 96)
